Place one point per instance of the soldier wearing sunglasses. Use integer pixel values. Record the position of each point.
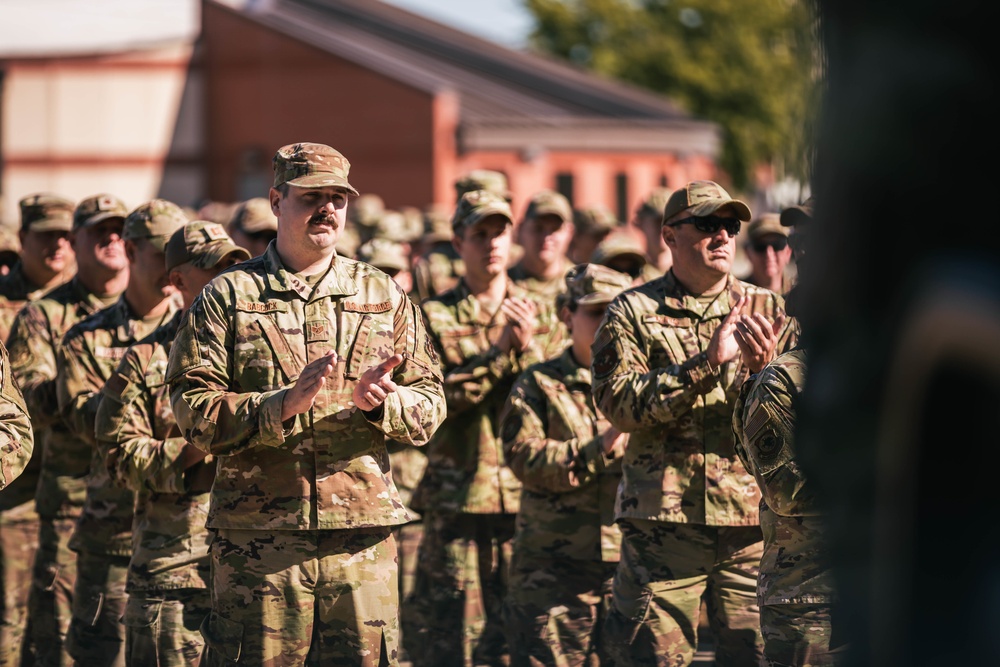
(767, 249)
(667, 369)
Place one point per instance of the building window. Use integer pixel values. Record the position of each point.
(621, 196)
(564, 185)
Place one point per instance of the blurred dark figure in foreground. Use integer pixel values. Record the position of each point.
(898, 419)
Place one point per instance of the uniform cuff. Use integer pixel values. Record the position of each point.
(272, 431)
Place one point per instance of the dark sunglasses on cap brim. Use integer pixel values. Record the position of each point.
(777, 244)
(711, 224)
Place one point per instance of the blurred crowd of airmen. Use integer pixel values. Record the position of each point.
(308, 429)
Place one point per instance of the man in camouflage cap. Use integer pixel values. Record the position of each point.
(667, 369)
(483, 179)
(46, 256)
(437, 268)
(648, 220)
(795, 588)
(253, 225)
(168, 573)
(58, 491)
(486, 330)
(87, 358)
(295, 367)
(769, 254)
(362, 218)
(591, 225)
(568, 458)
(623, 252)
(544, 234)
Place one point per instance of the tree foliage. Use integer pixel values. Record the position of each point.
(751, 66)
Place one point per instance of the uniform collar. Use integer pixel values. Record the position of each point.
(572, 372)
(336, 282)
(677, 297)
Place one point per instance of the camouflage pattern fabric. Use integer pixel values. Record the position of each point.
(168, 573)
(96, 636)
(665, 571)
(543, 290)
(566, 542)
(245, 338)
(165, 631)
(16, 434)
(408, 464)
(15, 291)
(454, 614)
(303, 597)
(436, 272)
(86, 359)
(461, 575)
(652, 379)
(35, 335)
(796, 577)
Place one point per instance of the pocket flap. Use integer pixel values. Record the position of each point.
(223, 636)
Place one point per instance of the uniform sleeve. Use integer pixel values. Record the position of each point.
(33, 364)
(135, 457)
(16, 436)
(78, 385)
(210, 415)
(632, 395)
(544, 464)
(417, 408)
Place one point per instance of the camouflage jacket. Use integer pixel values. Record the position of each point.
(546, 290)
(35, 337)
(794, 568)
(652, 379)
(466, 471)
(551, 435)
(246, 338)
(436, 272)
(15, 291)
(87, 358)
(16, 437)
(136, 428)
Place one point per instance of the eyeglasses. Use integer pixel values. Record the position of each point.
(777, 245)
(711, 224)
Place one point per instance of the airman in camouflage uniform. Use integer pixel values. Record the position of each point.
(253, 225)
(544, 234)
(439, 268)
(89, 354)
(487, 330)
(591, 225)
(46, 221)
(568, 458)
(168, 574)
(293, 369)
(648, 219)
(795, 589)
(102, 272)
(622, 251)
(667, 370)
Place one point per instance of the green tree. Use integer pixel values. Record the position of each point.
(751, 66)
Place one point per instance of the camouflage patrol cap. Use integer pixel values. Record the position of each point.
(618, 245)
(437, 225)
(478, 205)
(203, 243)
(392, 226)
(768, 223)
(655, 203)
(549, 202)
(98, 208)
(594, 220)
(45, 212)
(384, 254)
(254, 215)
(796, 215)
(588, 284)
(704, 198)
(483, 179)
(310, 165)
(155, 220)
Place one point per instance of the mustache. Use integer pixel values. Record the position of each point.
(323, 218)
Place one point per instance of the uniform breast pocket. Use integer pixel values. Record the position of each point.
(258, 363)
(461, 343)
(374, 342)
(666, 345)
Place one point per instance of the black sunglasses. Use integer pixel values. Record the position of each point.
(762, 246)
(711, 224)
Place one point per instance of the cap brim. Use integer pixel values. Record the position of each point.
(551, 210)
(597, 298)
(216, 252)
(628, 254)
(712, 205)
(485, 212)
(795, 215)
(51, 225)
(322, 180)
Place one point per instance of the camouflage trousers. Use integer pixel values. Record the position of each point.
(453, 615)
(665, 571)
(408, 537)
(96, 634)
(18, 544)
(311, 597)
(798, 635)
(50, 601)
(555, 610)
(163, 628)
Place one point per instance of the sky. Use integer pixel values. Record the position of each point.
(503, 21)
(49, 27)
